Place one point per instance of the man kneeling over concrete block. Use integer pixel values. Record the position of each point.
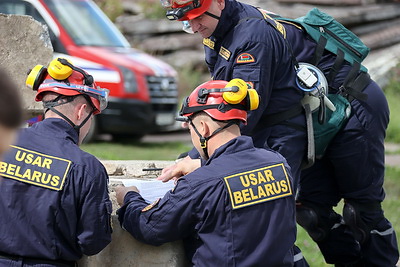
(236, 206)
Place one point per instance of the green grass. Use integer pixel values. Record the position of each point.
(392, 92)
(136, 150)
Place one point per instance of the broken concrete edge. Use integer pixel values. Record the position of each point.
(127, 169)
(124, 250)
(134, 168)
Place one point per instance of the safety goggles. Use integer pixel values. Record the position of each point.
(186, 27)
(169, 3)
(100, 94)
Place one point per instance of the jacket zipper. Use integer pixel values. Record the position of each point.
(322, 29)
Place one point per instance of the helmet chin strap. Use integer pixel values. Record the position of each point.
(50, 105)
(203, 140)
(212, 15)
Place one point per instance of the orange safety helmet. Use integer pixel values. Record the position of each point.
(63, 78)
(221, 100)
(185, 9)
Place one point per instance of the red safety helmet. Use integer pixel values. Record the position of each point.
(209, 97)
(63, 78)
(185, 9)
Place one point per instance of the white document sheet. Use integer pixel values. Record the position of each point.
(150, 189)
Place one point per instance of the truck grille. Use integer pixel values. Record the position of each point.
(163, 93)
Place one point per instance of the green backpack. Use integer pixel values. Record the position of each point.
(332, 35)
(329, 35)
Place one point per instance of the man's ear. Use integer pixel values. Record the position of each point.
(221, 4)
(204, 128)
(81, 113)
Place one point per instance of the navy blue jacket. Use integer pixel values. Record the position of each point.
(236, 210)
(245, 46)
(54, 200)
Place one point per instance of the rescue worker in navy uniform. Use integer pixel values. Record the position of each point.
(238, 208)
(239, 43)
(11, 113)
(352, 169)
(54, 202)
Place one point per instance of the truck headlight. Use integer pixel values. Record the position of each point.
(129, 79)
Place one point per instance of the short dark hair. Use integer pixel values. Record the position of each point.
(11, 111)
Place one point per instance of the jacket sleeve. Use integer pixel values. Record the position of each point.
(94, 224)
(164, 221)
(260, 75)
(262, 60)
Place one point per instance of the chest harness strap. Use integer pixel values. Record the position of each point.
(61, 100)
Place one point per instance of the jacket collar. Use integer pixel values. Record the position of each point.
(229, 18)
(235, 145)
(58, 128)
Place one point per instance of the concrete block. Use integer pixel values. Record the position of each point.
(124, 250)
(134, 168)
(24, 43)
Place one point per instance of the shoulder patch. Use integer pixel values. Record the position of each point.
(291, 23)
(245, 58)
(225, 53)
(35, 168)
(277, 24)
(209, 43)
(258, 186)
(152, 205)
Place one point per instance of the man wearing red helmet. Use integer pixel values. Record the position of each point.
(54, 201)
(237, 209)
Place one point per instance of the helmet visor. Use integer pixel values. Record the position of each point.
(100, 94)
(169, 3)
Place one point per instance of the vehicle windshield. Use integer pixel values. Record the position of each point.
(86, 23)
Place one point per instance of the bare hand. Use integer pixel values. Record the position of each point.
(121, 192)
(181, 168)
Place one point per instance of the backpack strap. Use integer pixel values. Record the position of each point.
(279, 117)
(355, 83)
(336, 66)
(310, 139)
(322, 41)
